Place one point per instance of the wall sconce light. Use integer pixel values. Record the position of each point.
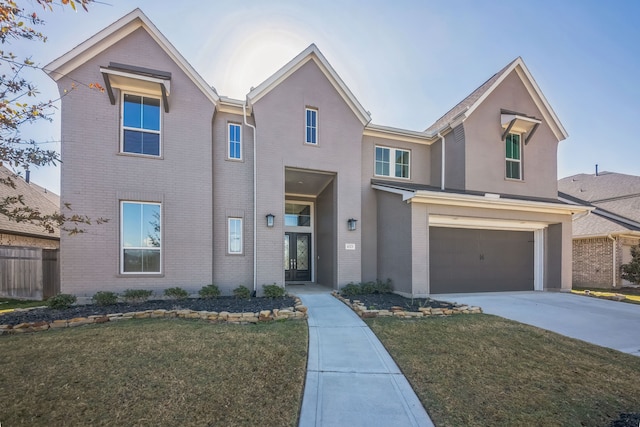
(351, 224)
(270, 218)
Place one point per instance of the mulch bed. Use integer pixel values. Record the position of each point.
(230, 304)
(627, 420)
(387, 301)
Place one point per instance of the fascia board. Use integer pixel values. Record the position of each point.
(535, 92)
(113, 34)
(312, 53)
(396, 134)
(406, 195)
(472, 201)
(485, 223)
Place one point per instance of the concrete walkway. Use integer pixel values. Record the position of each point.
(351, 379)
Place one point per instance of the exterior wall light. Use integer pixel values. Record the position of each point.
(351, 224)
(270, 218)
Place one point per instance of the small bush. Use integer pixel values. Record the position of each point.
(383, 287)
(209, 291)
(176, 293)
(273, 291)
(242, 292)
(368, 288)
(61, 301)
(350, 289)
(136, 295)
(105, 298)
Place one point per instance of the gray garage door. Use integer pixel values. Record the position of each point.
(464, 260)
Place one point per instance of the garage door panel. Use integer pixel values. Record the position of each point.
(467, 260)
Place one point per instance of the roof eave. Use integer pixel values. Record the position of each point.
(115, 32)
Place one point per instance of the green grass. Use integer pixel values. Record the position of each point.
(8, 303)
(156, 372)
(481, 370)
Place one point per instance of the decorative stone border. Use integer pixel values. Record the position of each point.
(298, 312)
(362, 311)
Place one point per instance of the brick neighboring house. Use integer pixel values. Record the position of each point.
(28, 253)
(602, 240)
(295, 184)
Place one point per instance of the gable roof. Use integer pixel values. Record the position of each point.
(113, 34)
(468, 105)
(615, 196)
(34, 196)
(311, 53)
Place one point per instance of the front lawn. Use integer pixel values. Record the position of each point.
(482, 370)
(9, 304)
(155, 372)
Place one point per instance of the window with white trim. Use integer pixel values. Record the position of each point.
(235, 236)
(392, 162)
(140, 124)
(140, 238)
(235, 141)
(513, 156)
(311, 125)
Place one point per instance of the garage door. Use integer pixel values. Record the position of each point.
(465, 260)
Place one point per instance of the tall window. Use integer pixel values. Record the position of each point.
(235, 141)
(513, 156)
(140, 125)
(235, 235)
(400, 166)
(140, 240)
(311, 126)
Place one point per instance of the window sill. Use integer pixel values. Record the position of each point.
(514, 180)
(234, 254)
(311, 144)
(230, 159)
(139, 275)
(143, 156)
(392, 177)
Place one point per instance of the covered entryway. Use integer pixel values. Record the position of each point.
(476, 260)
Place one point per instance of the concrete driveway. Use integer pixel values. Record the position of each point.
(605, 323)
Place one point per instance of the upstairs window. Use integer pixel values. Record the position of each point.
(235, 142)
(311, 125)
(513, 156)
(140, 125)
(392, 162)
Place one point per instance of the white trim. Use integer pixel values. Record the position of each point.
(406, 194)
(311, 53)
(112, 34)
(518, 161)
(229, 124)
(457, 221)
(126, 81)
(396, 134)
(392, 162)
(122, 247)
(143, 130)
(229, 251)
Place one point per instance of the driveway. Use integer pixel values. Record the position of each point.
(605, 323)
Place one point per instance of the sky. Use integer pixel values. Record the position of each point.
(407, 61)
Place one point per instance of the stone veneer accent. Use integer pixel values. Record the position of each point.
(363, 312)
(298, 312)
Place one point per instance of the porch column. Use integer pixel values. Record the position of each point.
(419, 250)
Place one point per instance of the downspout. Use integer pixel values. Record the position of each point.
(255, 209)
(613, 265)
(443, 161)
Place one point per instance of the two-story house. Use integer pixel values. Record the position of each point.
(294, 183)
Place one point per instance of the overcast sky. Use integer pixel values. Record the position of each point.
(407, 61)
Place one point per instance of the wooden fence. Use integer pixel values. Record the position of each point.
(31, 273)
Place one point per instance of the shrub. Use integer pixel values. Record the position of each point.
(61, 301)
(242, 292)
(136, 295)
(368, 288)
(105, 298)
(350, 289)
(383, 287)
(273, 291)
(209, 291)
(176, 293)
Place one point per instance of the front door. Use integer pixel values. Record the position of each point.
(297, 257)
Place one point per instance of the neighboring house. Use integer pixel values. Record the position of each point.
(28, 252)
(295, 184)
(602, 240)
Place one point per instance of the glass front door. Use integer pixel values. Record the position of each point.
(297, 257)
